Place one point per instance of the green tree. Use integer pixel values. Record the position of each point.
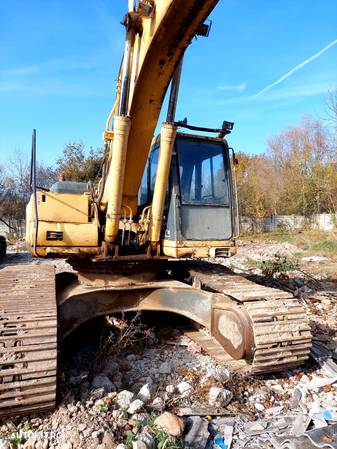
(74, 165)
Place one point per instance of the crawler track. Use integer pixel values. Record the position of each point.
(269, 331)
(281, 336)
(28, 339)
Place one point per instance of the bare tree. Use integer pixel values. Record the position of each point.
(15, 188)
(331, 108)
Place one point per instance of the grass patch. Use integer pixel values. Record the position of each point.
(327, 246)
(161, 439)
(309, 242)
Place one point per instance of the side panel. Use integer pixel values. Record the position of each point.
(60, 207)
(72, 234)
(63, 222)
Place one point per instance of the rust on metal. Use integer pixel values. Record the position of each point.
(275, 332)
(79, 303)
(28, 339)
(254, 328)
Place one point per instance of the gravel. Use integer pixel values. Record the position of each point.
(99, 409)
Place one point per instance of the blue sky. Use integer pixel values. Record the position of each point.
(59, 60)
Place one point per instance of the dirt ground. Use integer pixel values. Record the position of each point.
(98, 402)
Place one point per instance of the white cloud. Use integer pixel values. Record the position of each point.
(298, 67)
(285, 93)
(230, 88)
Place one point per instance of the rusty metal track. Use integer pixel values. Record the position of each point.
(28, 339)
(281, 336)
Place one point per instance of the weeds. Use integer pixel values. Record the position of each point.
(18, 438)
(278, 267)
(119, 335)
(130, 438)
(104, 408)
(162, 439)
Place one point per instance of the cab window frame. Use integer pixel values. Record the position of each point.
(226, 165)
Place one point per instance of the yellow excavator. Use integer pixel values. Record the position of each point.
(146, 237)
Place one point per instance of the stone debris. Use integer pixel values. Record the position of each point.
(145, 393)
(102, 381)
(124, 399)
(199, 403)
(139, 444)
(197, 433)
(158, 403)
(135, 406)
(148, 439)
(171, 423)
(184, 388)
(165, 368)
(219, 396)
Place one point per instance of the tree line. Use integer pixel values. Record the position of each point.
(297, 174)
(75, 164)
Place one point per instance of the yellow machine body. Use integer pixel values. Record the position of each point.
(198, 250)
(64, 225)
(157, 35)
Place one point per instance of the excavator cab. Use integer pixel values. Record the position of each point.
(200, 205)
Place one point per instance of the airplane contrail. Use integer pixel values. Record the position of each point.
(299, 66)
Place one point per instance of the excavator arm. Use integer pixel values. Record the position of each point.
(179, 25)
(157, 35)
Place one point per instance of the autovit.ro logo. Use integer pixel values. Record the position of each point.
(19, 437)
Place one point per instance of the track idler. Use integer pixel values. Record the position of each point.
(265, 336)
(233, 329)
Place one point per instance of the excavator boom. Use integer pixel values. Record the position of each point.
(166, 40)
(156, 39)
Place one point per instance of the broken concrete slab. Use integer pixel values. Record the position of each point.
(197, 433)
(325, 437)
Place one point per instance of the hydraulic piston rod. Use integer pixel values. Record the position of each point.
(167, 138)
(116, 174)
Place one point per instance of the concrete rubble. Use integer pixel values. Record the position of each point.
(255, 412)
(170, 392)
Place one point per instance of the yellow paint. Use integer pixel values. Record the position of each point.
(116, 175)
(196, 249)
(60, 207)
(168, 134)
(155, 55)
(62, 212)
